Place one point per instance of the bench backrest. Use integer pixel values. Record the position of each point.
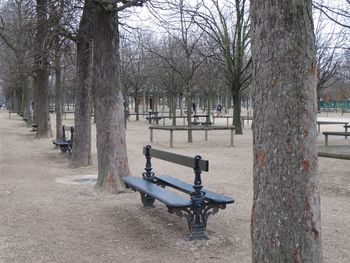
(187, 161)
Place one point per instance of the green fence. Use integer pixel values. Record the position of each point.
(334, 104)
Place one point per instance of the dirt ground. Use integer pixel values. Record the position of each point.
(43, 219)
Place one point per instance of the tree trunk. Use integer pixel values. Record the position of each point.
(111, 138)
(188, 115)
(82, 115)
(237, 111)
(285, 219)
(58, 91)
(137, 109)
(41, 72)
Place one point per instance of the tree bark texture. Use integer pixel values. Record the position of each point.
(82, 119)
(285, 219)
(111, 137)
(41, 72)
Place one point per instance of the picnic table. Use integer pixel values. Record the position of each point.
(192, 128)
(319, 123)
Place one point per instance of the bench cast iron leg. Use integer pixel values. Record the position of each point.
(147, 201)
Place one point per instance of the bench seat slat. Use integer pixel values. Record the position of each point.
(60, 142)
(188, 188)
(169, 198)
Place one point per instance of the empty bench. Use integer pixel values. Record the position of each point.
(65, 144)
(326, 134)
(154, 119)
(195, 207)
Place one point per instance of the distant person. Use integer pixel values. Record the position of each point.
(218, 110)
(194, 107)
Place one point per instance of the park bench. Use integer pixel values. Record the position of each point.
(153, 116)
(34, 127)
(201, 123)
(195, 207)
(154, 119)
(65, 144)
(326, 134)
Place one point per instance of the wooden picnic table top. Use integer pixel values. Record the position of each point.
(197, 127)
(332, 122)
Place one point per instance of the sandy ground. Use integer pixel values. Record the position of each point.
(45, 220)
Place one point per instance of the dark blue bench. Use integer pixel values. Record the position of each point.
(196, 207)
(65, 144)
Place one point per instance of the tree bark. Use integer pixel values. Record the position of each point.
(41, 72)
(111, 138)
(285, 219)
(82, 117)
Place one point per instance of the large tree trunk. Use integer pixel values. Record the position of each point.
(82, 117)
(41, 72)
(285, 220)
(111, 138)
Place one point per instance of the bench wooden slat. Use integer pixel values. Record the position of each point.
(188, 188)
(60, 142)
(170, 199)
(178, 159)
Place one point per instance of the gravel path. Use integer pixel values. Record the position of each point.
(44, 219)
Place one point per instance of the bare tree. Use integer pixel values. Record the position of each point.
(111, 141)
(185, 35)
(336, 11)
(15, 33)
(81, 155)
(328, 53)
(41, 71)
(231, 33)
(285, 219)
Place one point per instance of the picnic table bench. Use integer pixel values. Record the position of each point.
(196, 207)
(326, 134)
(201, 123)
(154, 119)
(65, 144)
(205, 128)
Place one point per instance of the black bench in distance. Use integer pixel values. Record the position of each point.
(196, 208)
(201, 123)
(65, 144)
(34, 128)
(155, 119)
